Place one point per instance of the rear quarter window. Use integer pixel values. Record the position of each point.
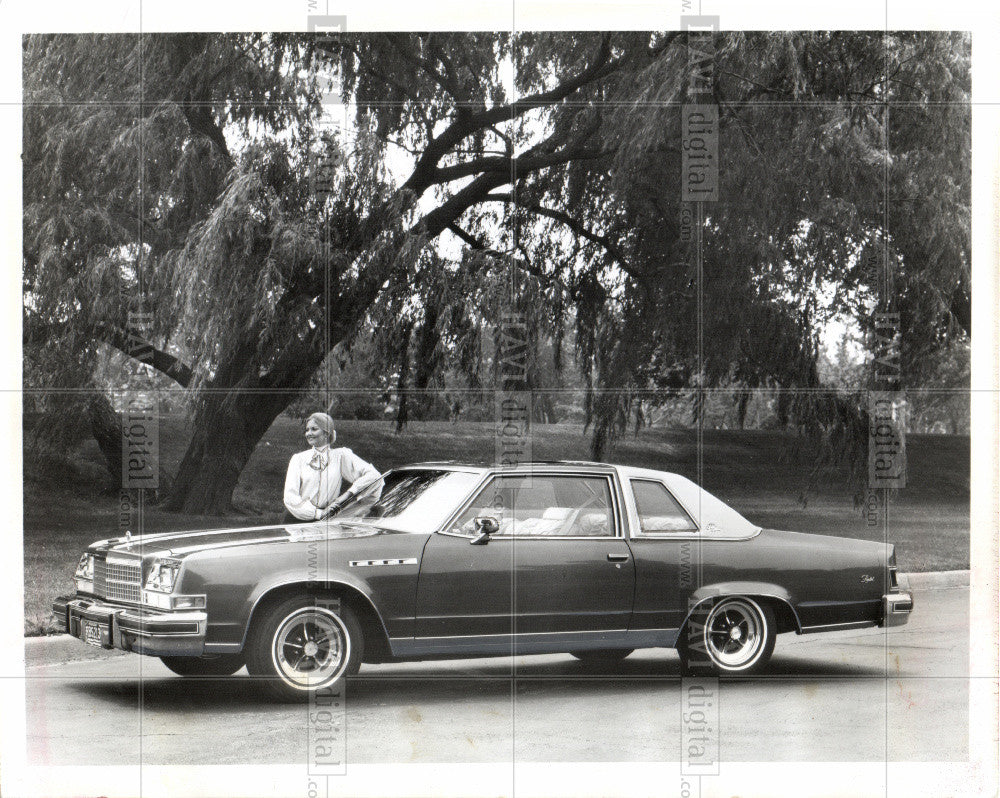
(659, 512)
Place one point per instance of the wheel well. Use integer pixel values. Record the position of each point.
(376, 641)
(784, 615)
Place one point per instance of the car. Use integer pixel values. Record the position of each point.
(444, 560)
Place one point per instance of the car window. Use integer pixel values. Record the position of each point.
(535, 506)
(658, 510)
(411, 500)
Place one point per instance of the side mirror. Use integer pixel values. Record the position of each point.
(486, 525)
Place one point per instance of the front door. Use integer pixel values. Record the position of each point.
(557, 571)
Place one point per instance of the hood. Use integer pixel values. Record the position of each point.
(179, 544)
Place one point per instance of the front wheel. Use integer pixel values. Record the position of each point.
(731, 636)
(217, 665)
(303, 645)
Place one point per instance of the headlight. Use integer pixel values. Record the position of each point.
(85, 568)
(162, 576)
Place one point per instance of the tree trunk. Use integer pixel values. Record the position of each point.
(235, 410)
(742, 402)
(426, 361)
(403, 411)
(226, 432)
(106, 427)
(784, 406)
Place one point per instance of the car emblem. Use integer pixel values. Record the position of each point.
(128, 539)
(866, 578)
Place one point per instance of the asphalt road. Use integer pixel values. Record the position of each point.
(870, 695)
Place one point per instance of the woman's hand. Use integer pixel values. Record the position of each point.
(337, 504)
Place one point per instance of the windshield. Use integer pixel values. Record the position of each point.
(411, 500)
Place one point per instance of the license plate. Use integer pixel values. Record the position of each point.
(92, 634)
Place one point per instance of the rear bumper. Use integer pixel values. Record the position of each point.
(135, 629)
(896, 608)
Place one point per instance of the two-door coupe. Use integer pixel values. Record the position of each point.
(442, 560)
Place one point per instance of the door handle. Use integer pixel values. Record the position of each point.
(617, 558)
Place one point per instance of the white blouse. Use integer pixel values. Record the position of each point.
(315, 478)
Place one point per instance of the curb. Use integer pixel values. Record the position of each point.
(57, 649)
(937, 580)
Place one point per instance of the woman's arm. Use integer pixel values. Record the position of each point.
(354, 468)
(360, 473)
(301, 508)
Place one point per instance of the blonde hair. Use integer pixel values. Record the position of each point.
(325, 423)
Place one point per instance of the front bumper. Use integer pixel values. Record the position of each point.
(136, 629)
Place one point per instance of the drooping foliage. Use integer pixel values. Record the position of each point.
(173, 175)
(827, 146)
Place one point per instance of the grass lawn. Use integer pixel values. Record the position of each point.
(761, 473)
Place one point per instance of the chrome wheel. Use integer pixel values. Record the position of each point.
(735, 634)
(302, 645)
(311, 648)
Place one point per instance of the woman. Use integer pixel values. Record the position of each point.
(315, 477)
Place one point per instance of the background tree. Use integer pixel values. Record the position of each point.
(804, 229)
(193, 193)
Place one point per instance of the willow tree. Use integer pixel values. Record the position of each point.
(183, 183)
(843, 189)
(182, 180)
(125, 158)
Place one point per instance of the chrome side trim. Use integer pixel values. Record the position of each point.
(835, 627)
(531, 642)
(521, 634)
(692, 536)
(535, 537)
(398, 561)
(223, 648)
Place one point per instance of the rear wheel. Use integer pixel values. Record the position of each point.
(211, 665)
(602, 657)
(732, 636)
(303, 645)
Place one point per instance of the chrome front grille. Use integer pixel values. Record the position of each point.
(118, 579)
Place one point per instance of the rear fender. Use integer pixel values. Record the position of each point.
(708, 594)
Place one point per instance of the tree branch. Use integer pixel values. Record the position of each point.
(200, 120)
(502, 163)
(601, 67)
(467, 123)
(576, 226)
(399, 41)
(129, 342)
(523, 263)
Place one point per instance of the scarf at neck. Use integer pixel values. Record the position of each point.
(320, 458)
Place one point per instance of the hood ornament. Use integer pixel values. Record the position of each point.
(128, 539)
